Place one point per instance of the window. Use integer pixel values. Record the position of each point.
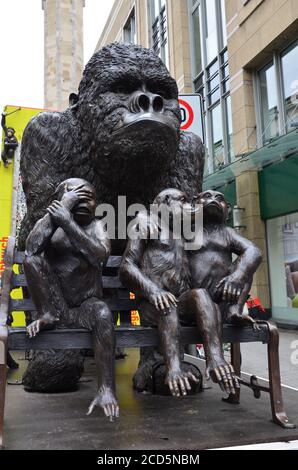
(210, 69)
(211, 30)
(217, 135)
(282, 238)
(289, 66)
(159, 34)
(276, 89)
(129, 30)
(269, 105)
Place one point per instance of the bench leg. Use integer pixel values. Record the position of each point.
(3, 372)
(277, 407)
(234, 399)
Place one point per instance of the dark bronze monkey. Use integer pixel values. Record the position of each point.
(219, 285)
(65, 251)
(156, 269)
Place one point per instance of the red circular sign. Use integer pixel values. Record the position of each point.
(190, 119)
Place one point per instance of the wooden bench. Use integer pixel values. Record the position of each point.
(127, 336)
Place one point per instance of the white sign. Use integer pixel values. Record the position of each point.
(191, 114)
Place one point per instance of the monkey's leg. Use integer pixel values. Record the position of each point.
(96, 316)
(169, 331)
(4, 158)
(46, 293)
(209, 321)
(235, 312)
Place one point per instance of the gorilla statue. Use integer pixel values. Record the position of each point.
(121, 134)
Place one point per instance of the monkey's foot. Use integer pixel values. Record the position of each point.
(221, 372)
(106, 399)
(239, 319)
(178, 382)
(39, 325)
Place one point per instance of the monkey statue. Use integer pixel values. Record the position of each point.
(219, 285)
(156, 269)
(10, 142)
(121, 133)
(64, 254)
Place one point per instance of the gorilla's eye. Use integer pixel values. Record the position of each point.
(207, 195)
(219, 197)
(118, 88)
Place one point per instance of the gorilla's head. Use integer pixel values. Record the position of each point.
(128, 103)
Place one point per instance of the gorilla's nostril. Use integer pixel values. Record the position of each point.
(144, 102)
(157, 103)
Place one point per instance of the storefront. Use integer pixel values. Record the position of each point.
(279, 208)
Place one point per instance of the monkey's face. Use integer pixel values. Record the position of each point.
(84, 209)
(174, 202)
(10, 132)
(130, 102)
(215, 207)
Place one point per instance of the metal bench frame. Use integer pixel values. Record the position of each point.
(127, 336)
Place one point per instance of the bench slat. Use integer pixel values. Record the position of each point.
(114, 304)
(126, 337)
(109, 282)
(113, 261)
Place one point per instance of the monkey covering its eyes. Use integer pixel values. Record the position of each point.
(64, 254)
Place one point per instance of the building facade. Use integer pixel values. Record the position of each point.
(63, 50)
(241, 56)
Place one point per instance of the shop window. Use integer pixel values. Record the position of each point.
(282, 237)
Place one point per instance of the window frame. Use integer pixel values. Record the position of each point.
(282, 121)
(159, 20)
(202, 76)
(132, 14)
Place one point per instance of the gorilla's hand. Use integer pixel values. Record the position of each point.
(71, 197)
(59, 213)
(230, 288)
(163, 300)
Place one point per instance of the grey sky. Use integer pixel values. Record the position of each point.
(21, 47)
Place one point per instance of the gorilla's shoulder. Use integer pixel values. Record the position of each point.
(191, 142)
(48, 122)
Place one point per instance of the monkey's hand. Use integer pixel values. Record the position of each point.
(71, 198)
(147, 225)
(230, 288)
(162, 300)
(59, 213)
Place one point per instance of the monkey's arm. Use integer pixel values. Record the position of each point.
(249, 256)
(130, 273)
(96, 249)
(40, 236)
(3, 123)
(94, 246)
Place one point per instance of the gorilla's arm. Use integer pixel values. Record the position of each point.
(47, 146)
(187, 170)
